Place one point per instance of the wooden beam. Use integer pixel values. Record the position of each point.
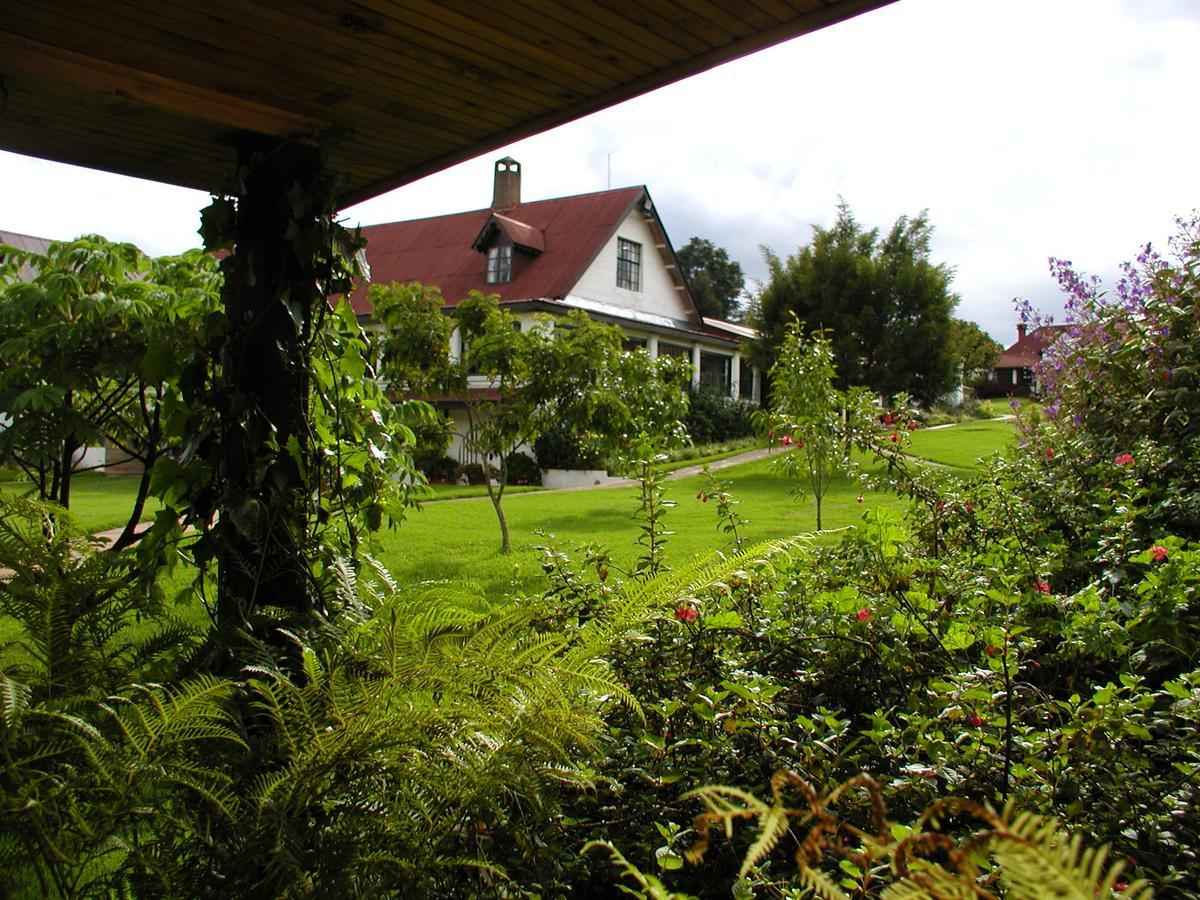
(25, 56)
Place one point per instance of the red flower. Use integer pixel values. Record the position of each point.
(912, 426)
(970, 507)
(1119, 886)
(941, 505)
(859, 498)
(975, 720)
(864, 614)
(1123, 459)
(894, 437)
(685, 614)
(1049, 453)
(799, 443)
(1041, 587)
(992, 651)
(1160, 552)
(887, 420)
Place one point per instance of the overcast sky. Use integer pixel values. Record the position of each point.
(1028, 129)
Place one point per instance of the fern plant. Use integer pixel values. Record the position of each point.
(87, 621)
(1012, 854)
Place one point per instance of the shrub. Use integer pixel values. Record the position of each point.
(473, 472)
(523, 470)
(444, 468)
(561, 448)
(714, 417)
(433, 438)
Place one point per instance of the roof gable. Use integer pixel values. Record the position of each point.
(524, 236)
(1029, 347)
(441, 251)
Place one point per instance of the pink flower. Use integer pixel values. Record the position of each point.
(1123, 459)
(786, 440)
(685, 614)
(863, 615)
(1041, 587)
(1160, 552)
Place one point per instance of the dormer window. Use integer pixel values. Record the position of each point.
(499, 264)
(629, 265)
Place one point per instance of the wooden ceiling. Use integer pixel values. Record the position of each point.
(160, 89)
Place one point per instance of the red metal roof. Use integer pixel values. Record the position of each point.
(438, 251)
(1028, 348)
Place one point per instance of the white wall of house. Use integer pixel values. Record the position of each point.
(657, 296)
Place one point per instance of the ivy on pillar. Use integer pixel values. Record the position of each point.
(280, 227)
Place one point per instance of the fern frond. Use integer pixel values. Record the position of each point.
(821, 884)
(648, 886)
(14, 701)
(1040, 859)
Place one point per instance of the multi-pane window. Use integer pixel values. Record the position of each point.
(499, 267)
(715, 372)
(629, 264)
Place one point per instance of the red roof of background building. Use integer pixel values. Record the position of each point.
(438, 251)
(1028, 349)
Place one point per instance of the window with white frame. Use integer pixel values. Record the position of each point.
(499, 265)
(629, 264)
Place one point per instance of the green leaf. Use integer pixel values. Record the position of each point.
(218, 222)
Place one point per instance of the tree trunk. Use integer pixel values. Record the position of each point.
(496, 494)
(270, 292)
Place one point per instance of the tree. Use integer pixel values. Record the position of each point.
(714, 280)
(972, 349)
(886, 305)
(807, 410)
(517, 383)
(94, 344)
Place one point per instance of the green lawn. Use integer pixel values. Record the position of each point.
(962, 446)
(98, 502)
(459, 538)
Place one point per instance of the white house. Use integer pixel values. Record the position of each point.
(606, 253)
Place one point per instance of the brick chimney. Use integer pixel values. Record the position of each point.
(507, 191)
(1021, 326)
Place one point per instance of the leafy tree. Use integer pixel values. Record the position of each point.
(94, 347)
(518, 383)
(973, 349)
(715, 280)
(807, 410)
(886, 305)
